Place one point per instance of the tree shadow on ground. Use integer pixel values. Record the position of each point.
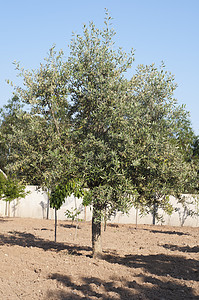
(157, 277)
(166, 231)
(112, 225)
(25, 239)
(194, 249)
(69, 226)
(43, 229)
(96, 288)
(160, 264)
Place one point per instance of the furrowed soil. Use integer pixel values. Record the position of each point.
(150, 262)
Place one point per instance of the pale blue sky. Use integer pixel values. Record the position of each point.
(158, 30)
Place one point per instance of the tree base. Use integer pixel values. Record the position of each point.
(96, 235)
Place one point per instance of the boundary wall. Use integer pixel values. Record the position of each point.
(35, 205)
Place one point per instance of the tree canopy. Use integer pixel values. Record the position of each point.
(127, 140)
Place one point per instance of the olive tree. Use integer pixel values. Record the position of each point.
(127, 132)
(98, 92)
(123, 138)
(161, 139)
(38, 138)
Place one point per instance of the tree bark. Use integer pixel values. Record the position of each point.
(6, 209)
(96, 233)
(84, 213)
(48, 204)
(105, 220)
(55, 225)
(136, 218)
(155, 209)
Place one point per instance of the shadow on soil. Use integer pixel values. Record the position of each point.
(160, 264)
(69, 226)
(194, 249)
(147, 284)
(94, 288)
(157, 277)
(167, 231)
(112, 225)
(24, 239)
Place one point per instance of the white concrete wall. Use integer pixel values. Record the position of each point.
(34, 205)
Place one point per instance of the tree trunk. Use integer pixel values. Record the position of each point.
(48, 204)
(96, 233)
(6, 209)
(76, 217)
(155, 209)
(105, 220)
(55, 225)
(84, 213)
(136, 218)
(9, 209)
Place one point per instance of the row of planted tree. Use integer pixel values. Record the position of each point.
(78, 125)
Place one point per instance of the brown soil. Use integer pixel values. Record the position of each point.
(150, 262)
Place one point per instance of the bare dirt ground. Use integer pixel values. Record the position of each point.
(150, 262)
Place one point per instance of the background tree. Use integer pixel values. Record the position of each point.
(10, 189)
(40, 146)
(161, 139)
(195, 158)
(2, 183)
(8, 120)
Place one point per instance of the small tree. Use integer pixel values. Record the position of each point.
(10, 189)
(60, 192)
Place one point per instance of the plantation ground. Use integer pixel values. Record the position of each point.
(150, 262)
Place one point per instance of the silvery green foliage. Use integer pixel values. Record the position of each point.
(127, 140)
(39, 147)
(160, 167)
(98, 92)
(129, 133)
